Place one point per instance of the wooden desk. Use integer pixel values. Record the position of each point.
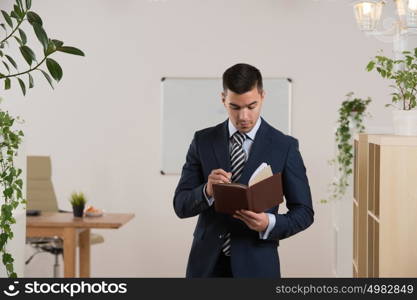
(65, 226)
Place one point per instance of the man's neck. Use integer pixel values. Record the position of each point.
(251, 134)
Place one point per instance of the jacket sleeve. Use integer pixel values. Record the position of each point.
(300, 214)
(189, 199)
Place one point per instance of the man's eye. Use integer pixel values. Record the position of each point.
(235, 108)
(251, 107)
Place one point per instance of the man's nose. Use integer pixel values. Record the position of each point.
(243, 114)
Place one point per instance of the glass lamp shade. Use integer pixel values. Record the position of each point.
(367, 14)
(407, 11)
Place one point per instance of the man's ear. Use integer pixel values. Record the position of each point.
(223, 97)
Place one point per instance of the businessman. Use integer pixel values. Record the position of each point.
(243, 244)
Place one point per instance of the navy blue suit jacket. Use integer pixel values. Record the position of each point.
(251, 256)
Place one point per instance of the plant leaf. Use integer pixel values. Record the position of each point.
(18, 41)
(54, 68)
(370, 66)
(19, 12)
(23, 36)
(7, 83)
(28, 4)
(7, 18)
(51, 48)
(7, 66)
(31, 83)
(11, 60)
(20, 3)
(58, 43)
(34, 18)
(71, 50)
(28, 54)
(13, 14)
(41, 35)
(22, 86)
(47, 78)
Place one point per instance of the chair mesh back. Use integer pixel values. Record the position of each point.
(40, 191)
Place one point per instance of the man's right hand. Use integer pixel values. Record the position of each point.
(217, 176)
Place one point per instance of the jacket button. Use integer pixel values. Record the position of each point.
(220, 236)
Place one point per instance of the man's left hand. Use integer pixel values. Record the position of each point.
(255, 221)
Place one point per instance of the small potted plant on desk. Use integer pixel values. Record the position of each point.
(78, 203)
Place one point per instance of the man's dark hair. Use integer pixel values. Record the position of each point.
(241, 78)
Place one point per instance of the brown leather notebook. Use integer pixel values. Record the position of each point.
(229, 197)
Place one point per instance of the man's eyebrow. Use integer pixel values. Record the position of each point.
(235, 105)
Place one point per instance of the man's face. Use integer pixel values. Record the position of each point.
(243, 109)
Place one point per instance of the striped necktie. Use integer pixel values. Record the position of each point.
(237, 159)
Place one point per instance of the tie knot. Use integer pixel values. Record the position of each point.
(239, 137)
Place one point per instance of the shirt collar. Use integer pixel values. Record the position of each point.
(251, 134)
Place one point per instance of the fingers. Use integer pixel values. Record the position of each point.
(223, 174)
(218, 179)
(250, 214)
(248, 220)
(252, 220)
(241, 218)
(219, 176)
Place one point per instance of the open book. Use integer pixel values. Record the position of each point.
(263, 192)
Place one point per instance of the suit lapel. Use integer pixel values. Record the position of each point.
(221, 147)
(257, 153)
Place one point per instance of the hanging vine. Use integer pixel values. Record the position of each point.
(351, 115)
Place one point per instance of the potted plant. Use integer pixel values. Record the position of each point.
(404, 74)
(78, 202)
(351, 116)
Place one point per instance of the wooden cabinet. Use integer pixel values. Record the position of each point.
(385, 206)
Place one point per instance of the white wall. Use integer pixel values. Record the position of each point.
(102, 123)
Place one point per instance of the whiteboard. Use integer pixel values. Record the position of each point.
(191, 104)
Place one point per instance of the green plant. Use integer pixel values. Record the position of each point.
(351, 114)
(78, 199)
(10, 139)
(403, 72)
(10, 183)
(22, 13)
